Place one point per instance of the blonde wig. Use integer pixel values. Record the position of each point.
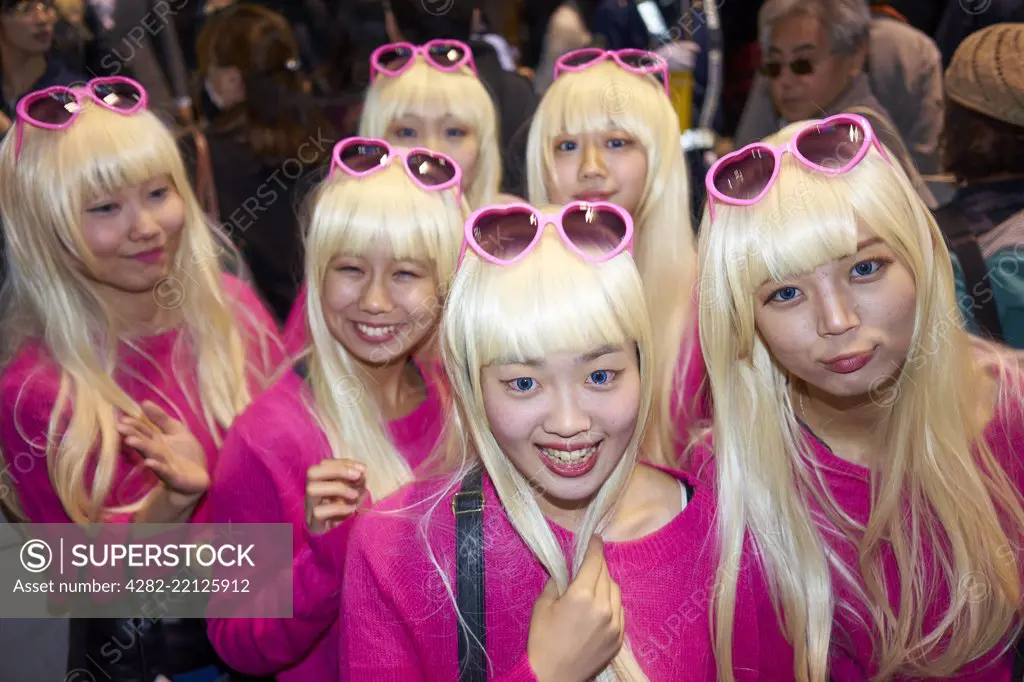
(48, 296)
(348, 217)
(603, 98)
(938, 484)
(427, 92)
(550, 302)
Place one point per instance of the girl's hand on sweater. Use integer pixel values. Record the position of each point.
(170, 450)
(574, 636)
(335, 489)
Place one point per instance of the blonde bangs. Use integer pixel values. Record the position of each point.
(522, 312)
(603, 97)
(424, 91)
(808, 220)
(352, 216)
(104, 152)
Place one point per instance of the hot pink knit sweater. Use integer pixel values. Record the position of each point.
(399, 623)
(262, 479)
(30, 383)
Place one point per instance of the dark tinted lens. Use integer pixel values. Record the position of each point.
(505, 236)
(746, 176)
(594, 230)
(446, 55)
(55, 108)
(431, 170)
(395, 58)
(831, 146)
(117, 95)
(771, 69)
(801, 67)
(583, 57)
(363, 157)
(638, 60)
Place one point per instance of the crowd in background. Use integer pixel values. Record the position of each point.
(257, 94)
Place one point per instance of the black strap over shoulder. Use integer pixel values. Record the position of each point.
(964, 244)
(468, 508)
(1018, 660)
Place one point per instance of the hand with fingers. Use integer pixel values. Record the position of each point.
(335, 489)
(170, 451)
(575, 635)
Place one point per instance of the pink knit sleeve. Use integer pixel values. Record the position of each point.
(761, 652)
(245, 490)
(28, 392)
(376, 643)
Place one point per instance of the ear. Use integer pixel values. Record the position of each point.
(858, 60)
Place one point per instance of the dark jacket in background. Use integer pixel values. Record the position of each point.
(515, 102)
(143, 43)
(260, 205)
(964, 17)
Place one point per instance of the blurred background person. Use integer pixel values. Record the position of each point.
(984, 151)
(27, 58)
(813, 63)
(267, 138)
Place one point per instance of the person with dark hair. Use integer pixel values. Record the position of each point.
(267, 138)
(27, 61)
(415, 21)
(983, 148)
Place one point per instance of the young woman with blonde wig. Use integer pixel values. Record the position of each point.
(606, 130)
(128, 351)
(430, 96)
(586, 553)
(383, 240)
(868, 447)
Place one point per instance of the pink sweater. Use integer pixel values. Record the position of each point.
(262, 479)
(850, 485)
(852, 659)
(400, 624)
(28, 391)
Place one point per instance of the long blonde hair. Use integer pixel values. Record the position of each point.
(939, 485)
(606, 97)
(426, 91)
(348, 216)
(43, 195)
(550, 302)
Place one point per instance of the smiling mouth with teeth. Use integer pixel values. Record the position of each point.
(569, 457)
(377, 332)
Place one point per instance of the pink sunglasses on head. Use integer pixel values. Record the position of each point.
(632, 60)
(395, 59)
(57, 107)
(362, 156)
(504, 234)
(832, 146)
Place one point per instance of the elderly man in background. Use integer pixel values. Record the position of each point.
(814, 55)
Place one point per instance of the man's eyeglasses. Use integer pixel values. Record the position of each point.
(799, 67)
